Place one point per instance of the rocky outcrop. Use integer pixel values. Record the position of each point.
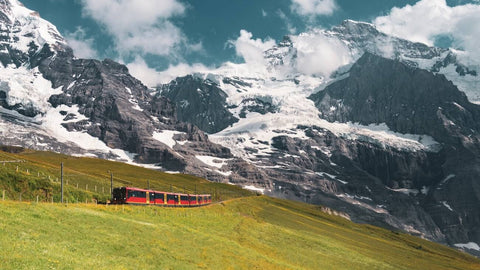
(199, 102)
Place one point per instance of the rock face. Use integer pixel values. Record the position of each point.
(415, 101)
(406, 99)
(199, 102)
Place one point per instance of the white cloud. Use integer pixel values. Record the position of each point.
(151, 77)
(251, 50)
(139, 26)
(288, 23)
(81, 45)
(313, 7)
(427, 19)
(318, 54)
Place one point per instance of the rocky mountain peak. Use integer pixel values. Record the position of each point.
(23, 34)
(408, 100)
(354, 28)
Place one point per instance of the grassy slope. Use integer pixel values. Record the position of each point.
(243, 233)
(247, 233)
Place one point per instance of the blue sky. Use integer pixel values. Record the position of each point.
(160, 33)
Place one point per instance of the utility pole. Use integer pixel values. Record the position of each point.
(61, 178)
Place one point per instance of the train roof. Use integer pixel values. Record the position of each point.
(157, 191)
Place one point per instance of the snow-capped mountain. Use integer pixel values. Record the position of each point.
(353, 129)
(50, 100)
(378, 128)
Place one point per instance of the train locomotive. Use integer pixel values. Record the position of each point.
(131, 195)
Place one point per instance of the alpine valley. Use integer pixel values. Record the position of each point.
(389, 135)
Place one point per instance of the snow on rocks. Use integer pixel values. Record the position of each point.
(213, 161)
(166, 137)
(469, 245)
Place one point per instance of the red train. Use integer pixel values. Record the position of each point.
(130, 195)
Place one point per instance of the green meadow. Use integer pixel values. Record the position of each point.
(239, 231)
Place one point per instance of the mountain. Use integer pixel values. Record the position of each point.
(51, 100)
(390, 138)
(383, 131)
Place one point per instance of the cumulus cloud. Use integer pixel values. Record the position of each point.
(139, 26)
(318, 54)
(428, 19)
(151, 77)
(81, 45)
(251, 50)
(313, 7)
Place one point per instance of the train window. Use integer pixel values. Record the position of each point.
(172, 197)
(184, 198)
(159, 196)
(136, 193)
(193, 198)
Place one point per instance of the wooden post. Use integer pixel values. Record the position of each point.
(86, 186)
(77, 185)
(61, 185)
(95, 188)
(111, 185)
(37, 199)
(17, 168)
(3, 196)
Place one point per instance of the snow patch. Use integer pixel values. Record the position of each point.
(166, 137)
(406, 191)
(447, 205)
(253, 188)
(469, 245)
(213, 161)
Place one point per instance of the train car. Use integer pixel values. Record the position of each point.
(130, 195)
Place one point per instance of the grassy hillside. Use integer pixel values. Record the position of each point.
(241, 231)
(89, 178)
(247, 233)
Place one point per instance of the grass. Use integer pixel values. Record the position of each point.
(240, 231)
(246, 233)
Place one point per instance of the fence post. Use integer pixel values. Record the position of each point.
(61, 184)
(3, 195)
(37, 199)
